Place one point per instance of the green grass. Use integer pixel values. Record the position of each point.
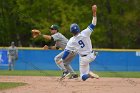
(7, 85)
(58, 73)
(30, 73)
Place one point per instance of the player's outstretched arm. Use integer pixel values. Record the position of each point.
(94, 20)
(48, 37)
(94, 9)
(36, 33)
(90, 28)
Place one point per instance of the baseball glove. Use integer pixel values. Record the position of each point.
(35, 33)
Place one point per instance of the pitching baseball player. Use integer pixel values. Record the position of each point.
(12, 56)
(61, 42)
(81, 42)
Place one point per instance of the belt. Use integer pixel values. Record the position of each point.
(87, 54)
(83, 55)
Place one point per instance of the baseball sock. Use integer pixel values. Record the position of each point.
(85, 77)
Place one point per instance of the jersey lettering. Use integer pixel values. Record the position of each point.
(81, 43)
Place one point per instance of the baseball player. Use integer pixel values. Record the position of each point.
(61, 42)
(81, 42)
(12, 56)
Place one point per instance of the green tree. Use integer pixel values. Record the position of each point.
(118, 23)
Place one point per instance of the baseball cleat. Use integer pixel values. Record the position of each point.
(93, 75)
(73, 76)
(65, 74)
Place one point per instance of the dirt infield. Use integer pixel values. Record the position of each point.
(41, 84)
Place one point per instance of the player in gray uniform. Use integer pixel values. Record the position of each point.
(60, 42)
(12, 56)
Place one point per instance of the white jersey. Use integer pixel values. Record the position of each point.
(12, 51)
(81, 42)
(61, 40)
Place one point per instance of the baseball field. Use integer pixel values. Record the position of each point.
(48, 82)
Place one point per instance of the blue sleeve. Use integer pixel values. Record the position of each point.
(65, 55)
(91, 27)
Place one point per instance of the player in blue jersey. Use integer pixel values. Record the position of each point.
(81, 43)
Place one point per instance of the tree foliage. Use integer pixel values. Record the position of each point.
(118, 23)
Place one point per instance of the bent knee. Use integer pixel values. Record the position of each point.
(56, 59)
